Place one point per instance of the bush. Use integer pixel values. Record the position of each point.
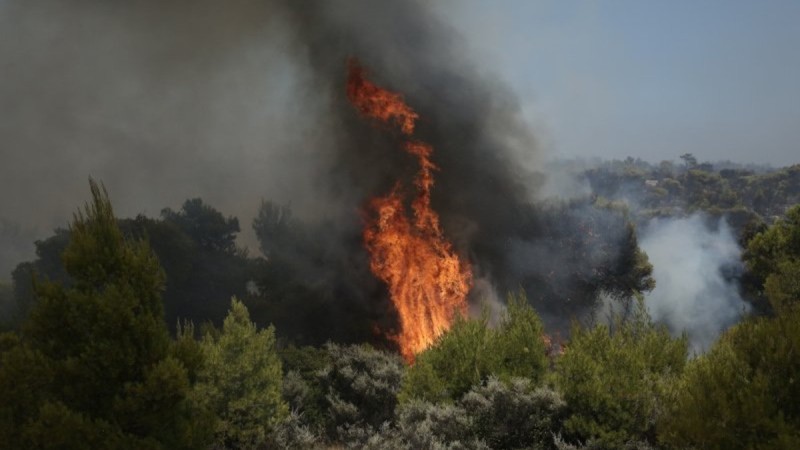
(744, 393)
(513, 415)
(361, 387)
(501, 415)
(615, 379)
(470, 352)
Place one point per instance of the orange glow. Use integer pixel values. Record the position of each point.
(428, 283)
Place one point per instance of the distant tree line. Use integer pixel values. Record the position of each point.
(744, 195)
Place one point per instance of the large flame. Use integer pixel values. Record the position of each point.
(428, 282)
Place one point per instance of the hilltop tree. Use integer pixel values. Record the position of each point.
(689, 159)
(94, 365)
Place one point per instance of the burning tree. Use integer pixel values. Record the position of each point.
(428, 282)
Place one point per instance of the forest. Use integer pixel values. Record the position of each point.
(163, 333)
(399, 225)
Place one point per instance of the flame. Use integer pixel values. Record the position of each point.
(428, 283)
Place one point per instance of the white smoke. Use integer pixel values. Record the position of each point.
(695, 266)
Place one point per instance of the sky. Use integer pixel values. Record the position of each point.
(647, 79)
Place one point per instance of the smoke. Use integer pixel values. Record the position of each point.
(238, 101)
(696, 265)
(162, 101)
(244, 100)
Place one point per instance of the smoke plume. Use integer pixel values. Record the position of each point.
(244, 100)
(240, 100)
(696, 265)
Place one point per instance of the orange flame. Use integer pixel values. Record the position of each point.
(428, 282)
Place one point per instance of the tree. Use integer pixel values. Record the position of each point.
(744, 393)
(471, 351)
(361, 388)
(8, 310)
(195, 247)
(205, 225)
(689, 160)
(498, 414)
(773, 259)
(615, 379)
(94, 360)
(241, 381)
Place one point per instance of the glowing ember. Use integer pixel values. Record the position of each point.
(428, 283)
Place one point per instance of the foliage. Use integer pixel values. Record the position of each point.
(497, 414)
(615, 379)
(302, 387)
(241, 381)
(748, 381)
(513, 414)
(306, 277)
(361, 387)
(93, 362)
(471, 351)
(205, 225)
(744, 393)
(773, 258)
(195, 247)
(564, 254)
(7, 307)
(292, 433)
(458, 360)
(47, 266)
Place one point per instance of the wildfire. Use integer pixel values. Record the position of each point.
(428, 282)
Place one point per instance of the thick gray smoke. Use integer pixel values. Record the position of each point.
(238, 100)
(245, 99)
(695, 265)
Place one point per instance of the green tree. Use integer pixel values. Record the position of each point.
(471, 351)
(615, 379)
(241, 381)
(743, 394)
(773, 259)
(195, 246)
(94, 360)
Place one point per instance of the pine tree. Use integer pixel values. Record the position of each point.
(97, 356)
(241, 381)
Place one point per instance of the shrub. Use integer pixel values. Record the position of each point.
(745, 393)
(471, 351)
(615, 379)
(361, 387)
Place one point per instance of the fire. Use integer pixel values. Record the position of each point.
(428, 283)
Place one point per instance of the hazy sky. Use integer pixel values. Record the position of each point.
(651, 79)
